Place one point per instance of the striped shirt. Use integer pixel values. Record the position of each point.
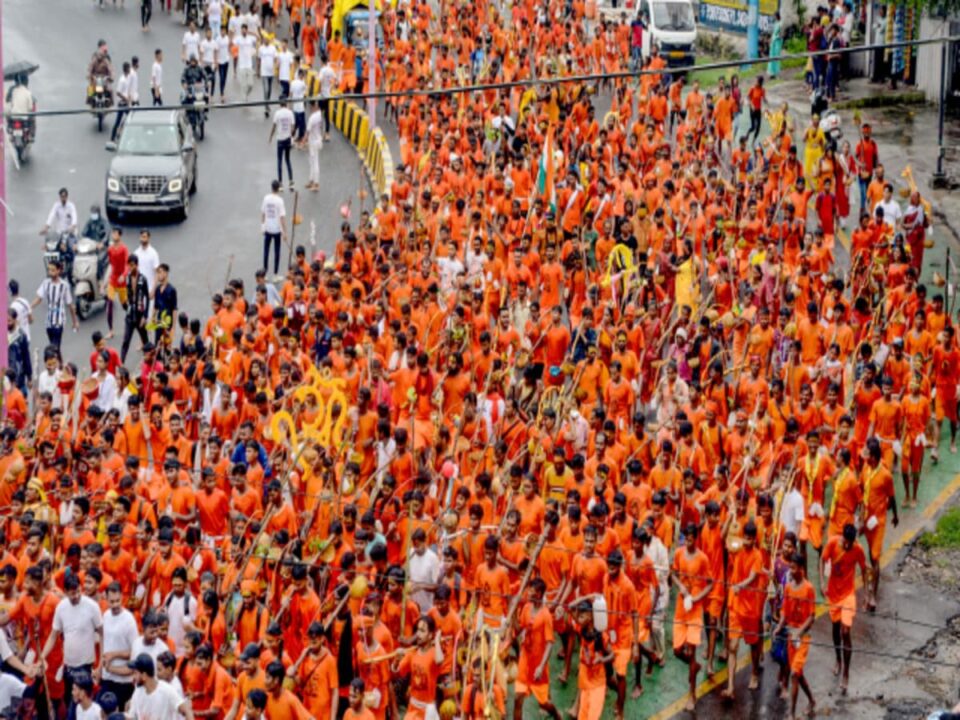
(57, 295)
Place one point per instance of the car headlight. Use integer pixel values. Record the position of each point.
(113, 185)
(175, 185)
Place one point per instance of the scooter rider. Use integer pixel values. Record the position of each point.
(192, 75)
(20, 101)
(62, 220)
(96, 227)
(100, 66)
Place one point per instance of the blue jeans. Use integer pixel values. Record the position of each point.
(863, 193)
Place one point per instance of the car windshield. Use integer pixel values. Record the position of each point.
(675, 16)
(149, 140)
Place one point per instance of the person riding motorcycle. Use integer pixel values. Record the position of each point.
(19, 101)
(62, 221)
(100, 66)
(192, 75)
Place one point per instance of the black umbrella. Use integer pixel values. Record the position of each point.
(11, 71)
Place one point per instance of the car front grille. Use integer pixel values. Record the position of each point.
(143, 184)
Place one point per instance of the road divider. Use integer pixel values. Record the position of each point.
(371, 145)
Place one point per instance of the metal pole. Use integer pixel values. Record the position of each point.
(4, 296)
(943, 105)
(753, 29)
(371, 63)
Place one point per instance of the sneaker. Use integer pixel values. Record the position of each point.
(291, 186)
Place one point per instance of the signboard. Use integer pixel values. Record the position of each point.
(734, 15)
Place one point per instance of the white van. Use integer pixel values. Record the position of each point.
(672, 26)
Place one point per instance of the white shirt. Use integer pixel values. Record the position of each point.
(215, 13)
(284, 64)
(119, 635)
(123, 88)
(106, 392)
(133, 87)
(223, 48)
(298, 91)
(62, 217)
(161, 704)
(791, 512)
(176, 685)
(271, 211)
(424, 569)
(246, 50)
(156, 76)
(191, 45)
(156, 650)
(58, 298)
(315, 128)
(208, 51)
(660, 556)
(283, 122)
(891, 212)
(149, 261)
(327, 77)
(10, 688)
(23, 314)
(268, 60)
(179, 610)
(91, 713)
(78, 624)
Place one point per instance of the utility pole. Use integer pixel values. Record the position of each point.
(753, 29)
(938, 176)
(371, 62)
(4, 295)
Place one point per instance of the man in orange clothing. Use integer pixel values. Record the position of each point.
(622, 629)
(691, 574)
(535, 623)
(315, 673)
(797, 616)
(843, 554)
(747, 594)
(594, 655)
(879, 498)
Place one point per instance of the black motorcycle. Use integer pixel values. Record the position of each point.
(195, 98)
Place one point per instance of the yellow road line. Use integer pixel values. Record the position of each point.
(720, 678)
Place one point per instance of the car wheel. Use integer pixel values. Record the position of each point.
(185, 207)
(112, 215)
(193, 181)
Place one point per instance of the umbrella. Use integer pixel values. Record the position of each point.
(11, 71)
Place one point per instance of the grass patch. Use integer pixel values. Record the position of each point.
(947, 534)
(709, 78)
(884, 99)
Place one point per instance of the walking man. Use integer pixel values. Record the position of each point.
(283, 122)
(156, 77)
(267, 56)
(314, 146)
(799, 603)
(327, 77)
(123, 98)
(55, 291)
(138, 305)
(273, 220)
(844, 555)
(246, 51)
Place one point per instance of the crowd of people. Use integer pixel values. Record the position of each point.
(581, 391)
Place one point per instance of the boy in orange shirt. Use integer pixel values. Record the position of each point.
(594, 655)
(797, 615)
(535, 623)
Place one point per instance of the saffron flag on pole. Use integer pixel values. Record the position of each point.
(545, 174)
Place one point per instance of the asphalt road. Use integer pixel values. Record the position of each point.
(236, 163)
